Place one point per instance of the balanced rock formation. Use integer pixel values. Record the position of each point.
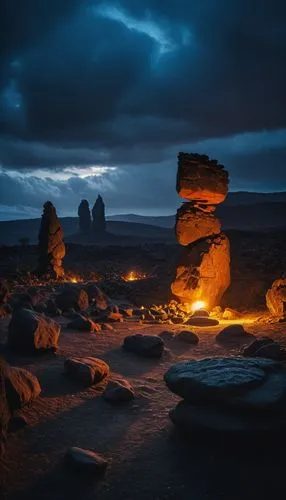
(51, 246)
(276, 298)
(203, 272)
(84, 217)
(201, 179)
(193, 224)
(98, 215)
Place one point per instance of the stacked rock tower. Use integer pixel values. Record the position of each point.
(203, 272)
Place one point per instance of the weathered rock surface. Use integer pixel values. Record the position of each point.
(86, 461)
(216, 379)
(193, 224)
(88, 371)
(97, 297)
(234, 333)
(264, 347)
(51, 245)
(72, 298)
(119, 391)
(251, 349)
(203, 272)
(30, 332)
(149, 346)
(21, 387)
(276, 298)
(231, 314)
(84, 324)
(201, 179)
(187, 337)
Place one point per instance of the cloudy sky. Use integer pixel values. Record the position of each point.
(101, 96)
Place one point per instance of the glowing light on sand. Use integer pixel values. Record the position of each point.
(199, 304)
(134, 276)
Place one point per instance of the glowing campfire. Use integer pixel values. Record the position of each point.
(134, 276)
(198, 305)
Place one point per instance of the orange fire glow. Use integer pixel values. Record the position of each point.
(134, 276)
(199, 304)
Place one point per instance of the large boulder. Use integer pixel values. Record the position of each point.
(97, 297)
(216, 379)
(31, 332)
(203, 272)
(234, 334)
(72, 298)
(201, 179)
(21, 387)
(193, 224)
(88, 371)
(276, 298)
(148, 346)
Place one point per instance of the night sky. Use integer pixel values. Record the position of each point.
(101, 96)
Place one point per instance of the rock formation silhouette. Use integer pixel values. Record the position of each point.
(98, 216)
(51, 247)
(84, 217)
(203, 272)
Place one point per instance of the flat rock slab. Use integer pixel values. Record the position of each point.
(201, 321)
(222, 421)
(88, 371)
(119, 391)
(148, 346)
(86, 461)
(216, 379)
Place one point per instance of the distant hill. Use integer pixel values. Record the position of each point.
(241, 211)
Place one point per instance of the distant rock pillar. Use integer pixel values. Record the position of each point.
(203, 272)
(51, 247)
(84, 217)
(98, 216)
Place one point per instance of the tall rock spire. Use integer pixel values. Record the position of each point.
(51, 247)
(98, 215)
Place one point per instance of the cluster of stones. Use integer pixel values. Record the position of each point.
(203, 272)
(51, 246)
(97, 223)
(234, 396)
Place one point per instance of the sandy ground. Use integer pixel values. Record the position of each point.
(149, 459)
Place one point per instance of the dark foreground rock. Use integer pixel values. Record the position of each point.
(88, 371)
(84, 324)
(119, 391)
(31, 332)
(229, 396)
(234, 334)
(148, 346)
(86, 461)
(265, 347)
(72, 298)
(187, 337)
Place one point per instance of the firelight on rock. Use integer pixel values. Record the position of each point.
(198, 304)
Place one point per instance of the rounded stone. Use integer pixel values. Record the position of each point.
(201, 321)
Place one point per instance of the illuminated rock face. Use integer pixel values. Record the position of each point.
(276, 298)
(201, 179)
(203, 272)
(51, 246)
(193, 224)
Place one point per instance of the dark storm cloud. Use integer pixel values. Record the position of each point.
(129, 84)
